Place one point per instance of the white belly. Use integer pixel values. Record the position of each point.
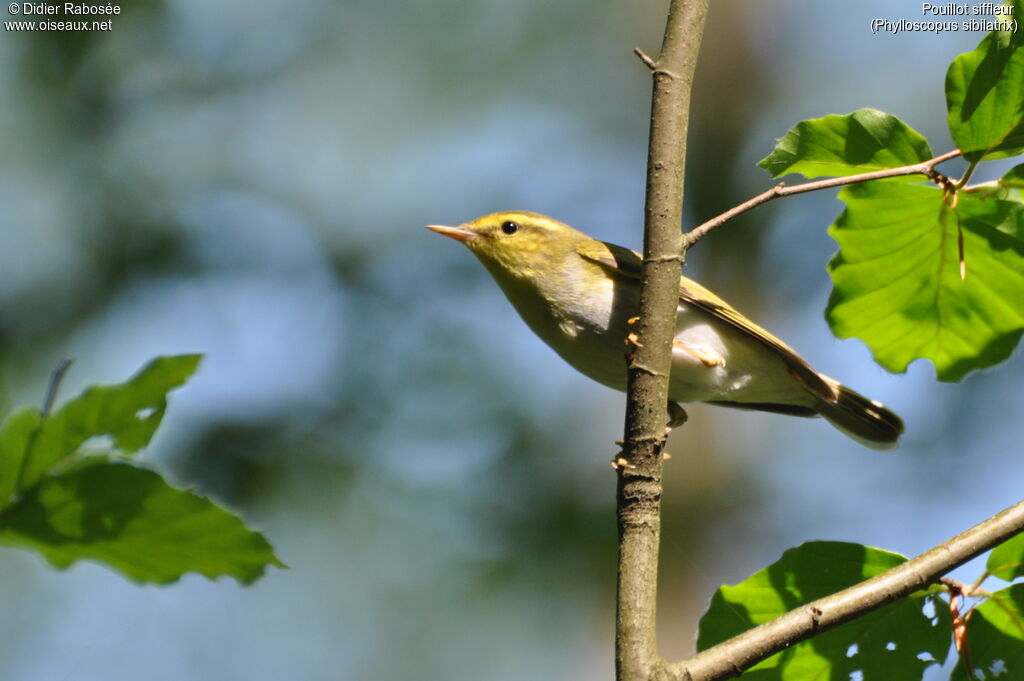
(596, 346)
(589, 332)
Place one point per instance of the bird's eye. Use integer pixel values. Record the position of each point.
(509, 227)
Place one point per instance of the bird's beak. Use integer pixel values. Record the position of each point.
(457, 233)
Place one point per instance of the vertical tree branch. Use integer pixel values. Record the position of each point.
(639, 484)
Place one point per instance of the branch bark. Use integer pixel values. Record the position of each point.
(639, 482)
(730, 658)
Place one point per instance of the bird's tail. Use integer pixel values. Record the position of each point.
(866, 421)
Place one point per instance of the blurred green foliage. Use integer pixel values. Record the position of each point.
(67, 491)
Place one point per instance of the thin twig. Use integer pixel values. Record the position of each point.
(741, 652)
(967, 174)
(55, 379)
(56, 376)
(645, 58)
(924, 168)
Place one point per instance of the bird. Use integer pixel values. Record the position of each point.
(581, 296)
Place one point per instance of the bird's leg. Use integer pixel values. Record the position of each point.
(702, 353)
(677, 416)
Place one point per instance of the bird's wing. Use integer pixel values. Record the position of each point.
(629, 263)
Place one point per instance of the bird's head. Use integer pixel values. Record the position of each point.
(517, 243)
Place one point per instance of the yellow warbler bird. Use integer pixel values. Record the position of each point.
(579, 295)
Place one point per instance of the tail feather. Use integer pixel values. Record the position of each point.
(866, 421)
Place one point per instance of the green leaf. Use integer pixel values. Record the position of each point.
(896, 276)
(16, 434)
(72, 507)
(985, 96)
(1007, 560)
(887, 641)
(1014, 177)
(134, 522)
(995, 634)
(129, 413)
(859, 142)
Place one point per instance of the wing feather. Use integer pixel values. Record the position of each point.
(629, 263)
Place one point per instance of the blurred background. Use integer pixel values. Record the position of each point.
(250, 180)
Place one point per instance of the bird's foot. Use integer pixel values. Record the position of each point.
(632, 339)
(702, 353)
(677, 416)
(619, 462)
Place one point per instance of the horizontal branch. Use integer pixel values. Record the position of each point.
(781, 189)
(731, 657)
